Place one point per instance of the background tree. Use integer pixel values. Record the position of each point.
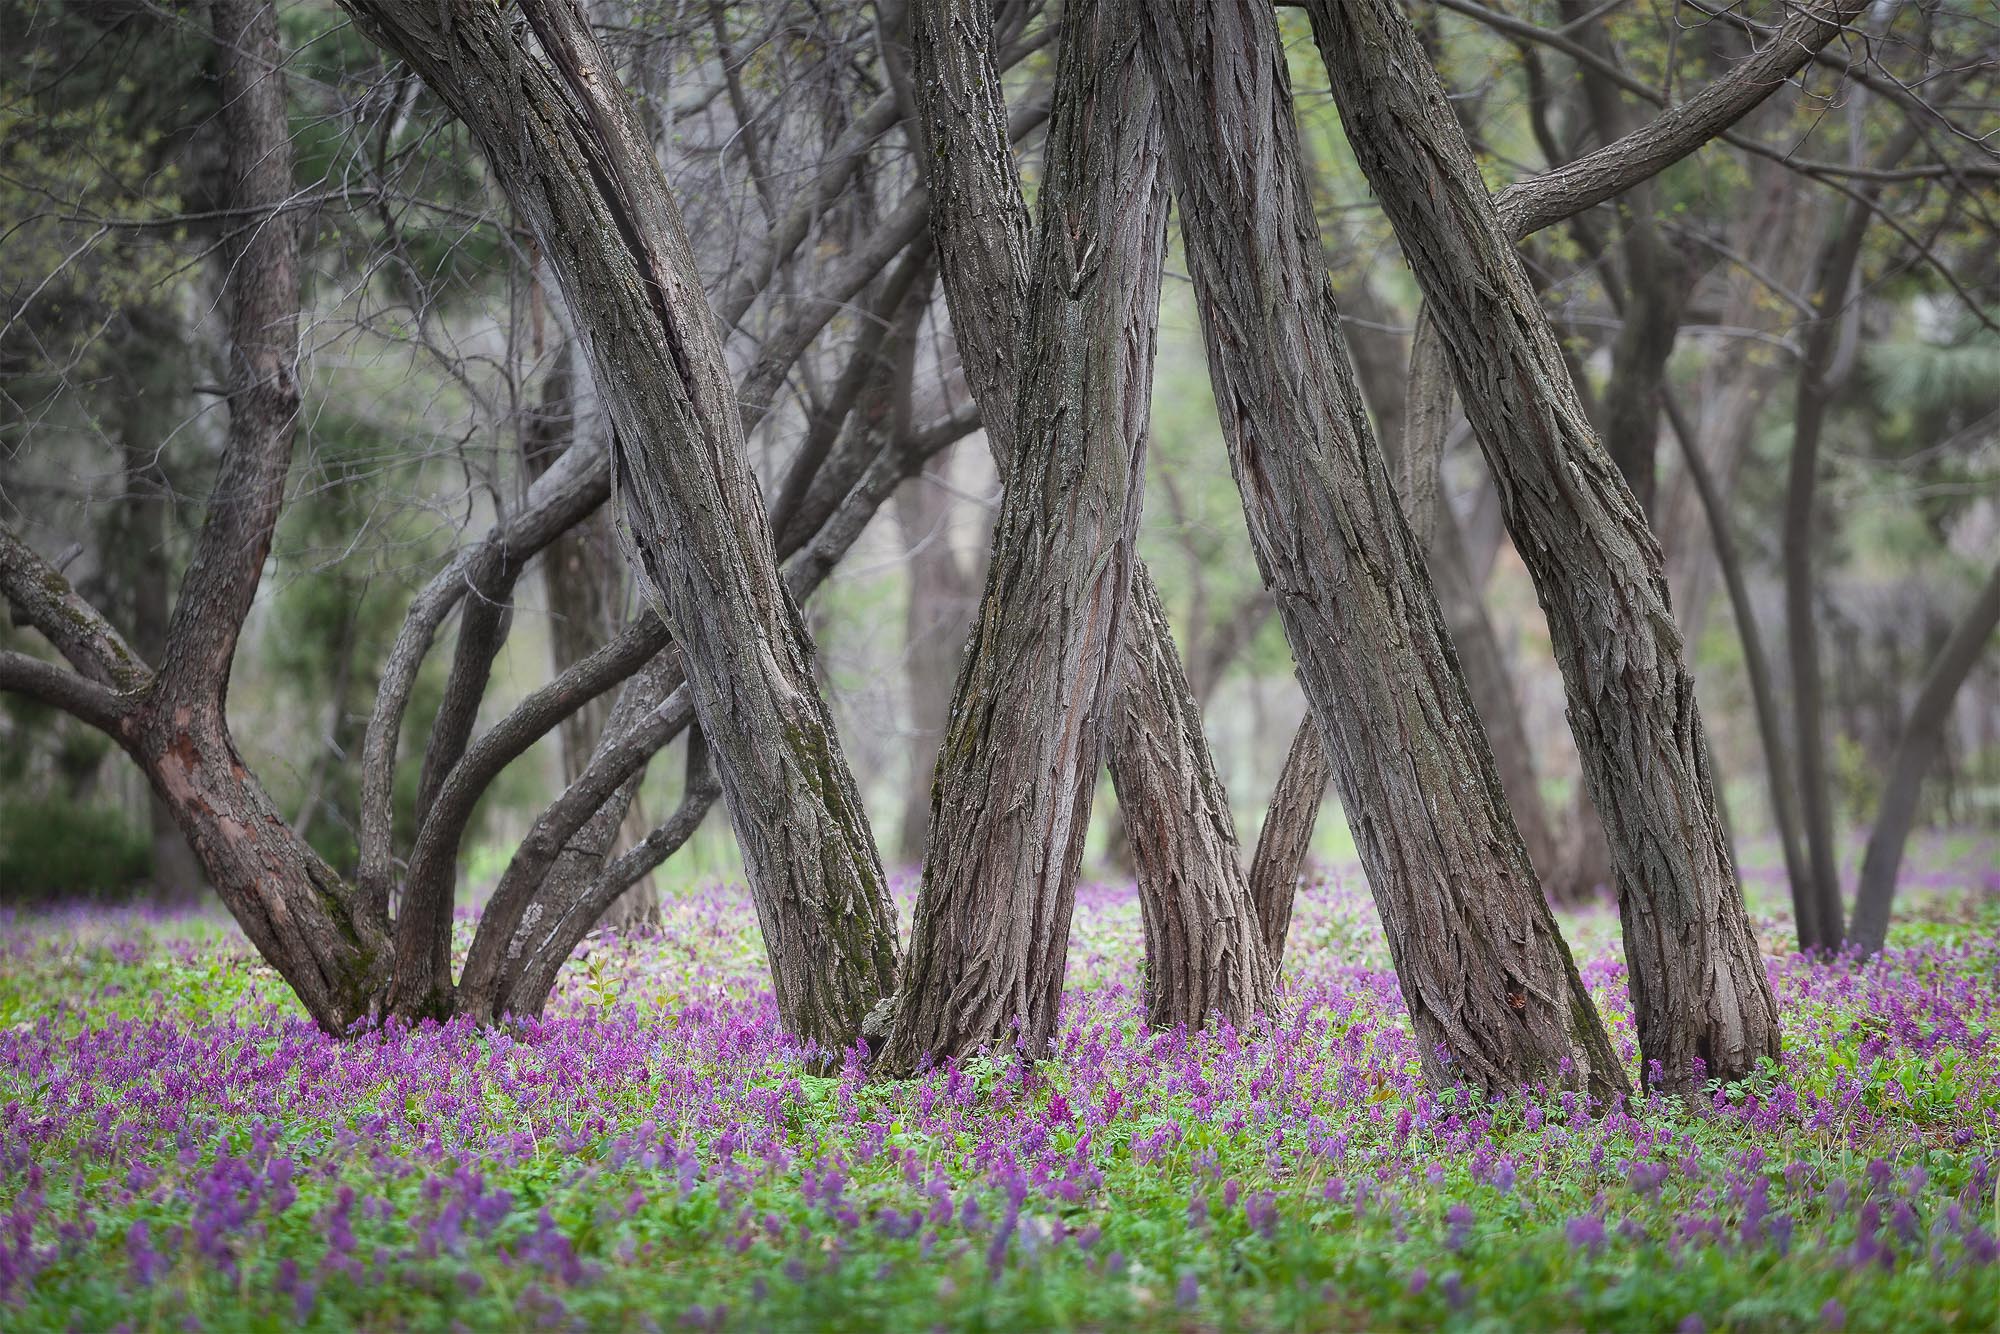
(396, 689)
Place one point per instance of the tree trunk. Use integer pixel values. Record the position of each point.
(1916, 749)
(1817, 900)
(1491, 684)
(1699, 991)
(943, 589)
(546, 946)
(658, 707)
(981, 221)
(1492, 992)
(1204, 942)
(1429, 420)
(1286, 837)
(1819, 377)
(563, 143)
(1012, 797)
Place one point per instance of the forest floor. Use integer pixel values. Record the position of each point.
(179, 1148)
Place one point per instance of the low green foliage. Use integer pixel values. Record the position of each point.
(58, 848)
(178, 1147)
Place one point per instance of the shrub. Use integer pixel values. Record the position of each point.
(51, 848)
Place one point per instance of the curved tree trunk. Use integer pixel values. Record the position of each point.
(1703, 1003)
(547, 945)
(1491, 989)
(557, 133)
(981, 221)
(1287, 834)
(1012, 796)
(1203, 949)
(1916, 749)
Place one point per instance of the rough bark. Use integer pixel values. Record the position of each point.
(981, 222)
(1286, 837)
(1565, 192)
(1012, 797)
(1702, 1001)
(555, 129)
(1490, 986)
(1916, 750)
(1204, 940)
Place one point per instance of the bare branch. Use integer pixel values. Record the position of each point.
(86, 700)
(43, 598)
(1533, 204)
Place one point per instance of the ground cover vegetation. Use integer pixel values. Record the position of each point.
(644, 638)
(181, 1142)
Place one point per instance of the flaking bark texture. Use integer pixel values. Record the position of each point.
(982, 227)
(1492, 992)
(1012, 796)
(1698, 984)
(1204, 943)
(547, 110)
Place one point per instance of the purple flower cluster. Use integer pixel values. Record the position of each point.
(172, 1149)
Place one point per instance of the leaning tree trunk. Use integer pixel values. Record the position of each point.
(1012, 796)
(981, 221)
(546, 107)
(1287, 834)
(1492, 991)
(1702, 1000)
(1204, 936)
(1916, 749)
